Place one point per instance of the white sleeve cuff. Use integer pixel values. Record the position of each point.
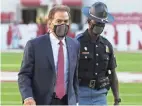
(29, 98)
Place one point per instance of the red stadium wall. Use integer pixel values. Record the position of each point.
(124, 34)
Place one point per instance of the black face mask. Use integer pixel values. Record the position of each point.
(61, 30)
(97, 28)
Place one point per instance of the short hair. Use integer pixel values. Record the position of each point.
(57, 8)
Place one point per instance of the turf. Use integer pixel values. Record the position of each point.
(11, 61)
(128, 62)
(131, 94)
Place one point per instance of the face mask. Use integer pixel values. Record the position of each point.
(61, 30)
(98, 28)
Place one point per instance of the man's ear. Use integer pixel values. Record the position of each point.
(49, 22)
(88, 20)
(51, 25)
(89, 23)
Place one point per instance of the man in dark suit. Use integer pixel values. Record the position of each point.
(48, 74)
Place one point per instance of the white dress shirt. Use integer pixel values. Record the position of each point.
(55, 48)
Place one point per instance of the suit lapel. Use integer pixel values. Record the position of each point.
(69, 50)
(49, 52)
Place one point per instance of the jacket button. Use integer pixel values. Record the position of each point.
(109, 72)
(97, 54)
(97, 64)
(96, 45)
(95, 74)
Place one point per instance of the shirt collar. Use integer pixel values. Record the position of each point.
(56, 40)
(87, 37)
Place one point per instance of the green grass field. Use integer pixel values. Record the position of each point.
(130, 62)
(131, 93)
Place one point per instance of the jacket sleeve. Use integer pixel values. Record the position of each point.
(76, 83)
(26, 72)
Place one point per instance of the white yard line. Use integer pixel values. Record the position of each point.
(124, 77)
(13, 51)
(129, 77)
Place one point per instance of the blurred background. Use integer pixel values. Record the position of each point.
(22, 20)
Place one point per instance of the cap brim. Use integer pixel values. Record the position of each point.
(109, 19)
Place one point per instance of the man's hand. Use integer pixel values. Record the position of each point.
(116, 103)
(29, 102)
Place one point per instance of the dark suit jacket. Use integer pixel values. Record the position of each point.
(37, 75)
